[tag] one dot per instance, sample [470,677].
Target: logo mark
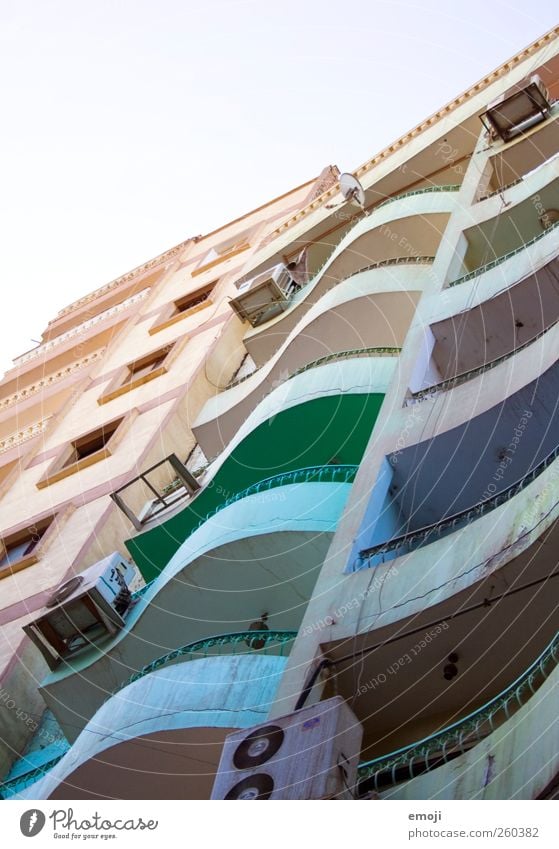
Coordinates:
[32,822]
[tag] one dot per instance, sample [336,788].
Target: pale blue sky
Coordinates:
[129,125]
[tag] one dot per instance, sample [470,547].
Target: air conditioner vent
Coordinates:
[258,786]
[64,591]
[258,747]
[309,754]
[83,610]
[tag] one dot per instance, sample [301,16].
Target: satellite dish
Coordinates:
[352,192]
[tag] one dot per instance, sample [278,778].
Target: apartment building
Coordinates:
[369,496]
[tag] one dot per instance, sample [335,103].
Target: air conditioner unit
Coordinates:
[518,109]
[264,296]
[310,754]
[83,610]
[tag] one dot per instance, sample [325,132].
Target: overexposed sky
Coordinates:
[129,125]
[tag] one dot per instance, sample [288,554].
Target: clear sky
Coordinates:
[129,125]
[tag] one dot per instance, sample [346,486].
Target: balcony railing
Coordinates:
[265,642]
[385,351]
[455,187]
[414,192]
[353,353]
[239,642]
[498,260]
[20,782]
[430,533]
[437,749]
[310,474]
[464,376]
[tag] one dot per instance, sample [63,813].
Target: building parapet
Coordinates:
[81,328]
[24,435]
[55,377]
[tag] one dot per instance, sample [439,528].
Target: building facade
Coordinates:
[362,395]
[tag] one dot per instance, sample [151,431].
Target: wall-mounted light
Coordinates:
[258,625]
[450,670]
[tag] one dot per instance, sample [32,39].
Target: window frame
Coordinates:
[225,250]
[170,314]
[120,384]
[60,468]
[52,523]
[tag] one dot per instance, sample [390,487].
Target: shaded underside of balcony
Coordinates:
[499,326]
[523,156]
[409,239]
[475,462]
[161,737]
[496,629]
[510,230]
[328,430]
[519,760]
[260,554]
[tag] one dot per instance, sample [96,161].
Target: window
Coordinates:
[183,307]
[195,299]
[21,549]
[86,450]
[90,444]
[147,365]
[223,251]
[137,373]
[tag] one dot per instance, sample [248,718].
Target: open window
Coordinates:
[22,548]
[223,251]
[90,448]
[138,372]
[184,306]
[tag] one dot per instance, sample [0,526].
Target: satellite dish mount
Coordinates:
[352,192]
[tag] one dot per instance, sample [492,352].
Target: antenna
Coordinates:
[352,191]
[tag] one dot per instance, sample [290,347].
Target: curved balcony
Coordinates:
[371,310]
[518,189]
[505,255]
[455,740]
[324,415]
[485,394]
[517,161]
[408,542]
[260,553]
[479,339]
[161,737]
[459,473]
[403,230]
[444,632]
